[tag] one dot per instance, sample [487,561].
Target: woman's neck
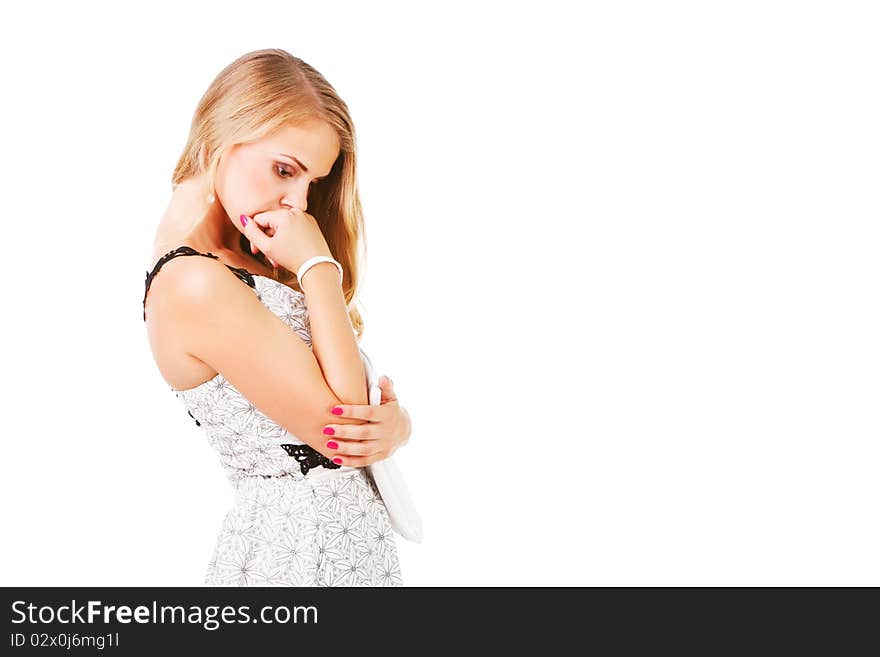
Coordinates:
[190,218]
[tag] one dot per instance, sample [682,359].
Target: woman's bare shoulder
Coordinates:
[188,279]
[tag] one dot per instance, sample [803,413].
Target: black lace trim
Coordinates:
[241,272]
[309,457]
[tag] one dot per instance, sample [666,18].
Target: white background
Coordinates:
[622,267]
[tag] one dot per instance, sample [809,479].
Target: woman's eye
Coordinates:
[281,170]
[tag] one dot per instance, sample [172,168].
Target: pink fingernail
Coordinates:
[331,444]
[337,460]
[336,410]
[329,431]
[243,219]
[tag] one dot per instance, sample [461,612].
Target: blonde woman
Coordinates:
[249,312]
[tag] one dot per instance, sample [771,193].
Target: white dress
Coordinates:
[298,519]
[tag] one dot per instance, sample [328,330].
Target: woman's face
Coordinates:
[264,175]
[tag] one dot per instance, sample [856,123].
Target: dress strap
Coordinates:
[242,273]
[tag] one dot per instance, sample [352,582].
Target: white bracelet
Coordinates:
[314,261]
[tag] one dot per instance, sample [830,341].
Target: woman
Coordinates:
[256,333]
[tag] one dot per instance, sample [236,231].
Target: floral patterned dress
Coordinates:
[298,519]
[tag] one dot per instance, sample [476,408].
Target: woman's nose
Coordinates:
[295,203]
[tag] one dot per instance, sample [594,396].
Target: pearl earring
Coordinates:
[210,198]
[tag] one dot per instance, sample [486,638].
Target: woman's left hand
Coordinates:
[388,427]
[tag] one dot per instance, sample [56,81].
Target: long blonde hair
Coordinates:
[257,94]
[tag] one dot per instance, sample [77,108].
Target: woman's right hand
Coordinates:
[286,237]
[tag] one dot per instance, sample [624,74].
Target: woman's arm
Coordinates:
[333,339]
